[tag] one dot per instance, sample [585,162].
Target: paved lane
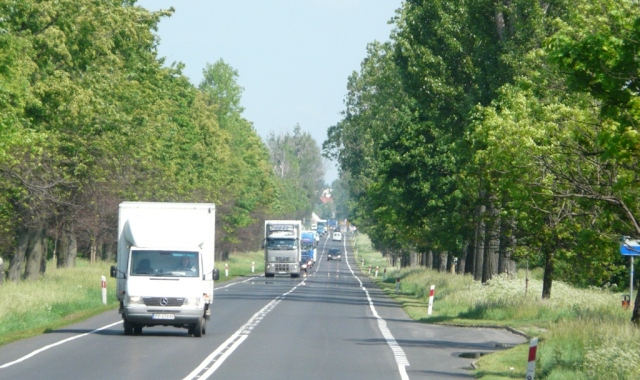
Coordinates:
[332,324]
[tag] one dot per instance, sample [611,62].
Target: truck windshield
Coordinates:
[165,263]
[281,244]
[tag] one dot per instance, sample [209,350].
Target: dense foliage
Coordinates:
[90,116]
[489,133]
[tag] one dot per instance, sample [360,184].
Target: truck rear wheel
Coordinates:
[269,274]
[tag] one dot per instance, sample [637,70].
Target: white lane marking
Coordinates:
[239,282]
[212,362]
[34,353]
[56,344]
[398,352]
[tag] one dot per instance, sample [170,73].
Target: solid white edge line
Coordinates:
[398,353]
[32,354]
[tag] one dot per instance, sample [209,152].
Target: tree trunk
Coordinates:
[35,251]
[478,254]
[109,252]
[635,315]
[507,246]
[15,266]
[443,262]
[492,243]
[462,262]
[1,271]
[45,253]
[68,249]
[429,263]
[547,280]
[414,258]
[469,263]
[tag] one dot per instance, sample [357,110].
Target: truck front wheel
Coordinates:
[128,327]
[199,328]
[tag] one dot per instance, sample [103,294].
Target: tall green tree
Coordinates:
[297,164]
[249,186]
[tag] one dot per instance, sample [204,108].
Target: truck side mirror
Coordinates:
[216,274]
[114,271]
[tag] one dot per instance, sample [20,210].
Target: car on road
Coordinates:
[337,236]
[334,254]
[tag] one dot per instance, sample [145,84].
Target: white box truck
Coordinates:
[165,265]
[282,247]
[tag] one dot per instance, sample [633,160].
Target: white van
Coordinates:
[337,236]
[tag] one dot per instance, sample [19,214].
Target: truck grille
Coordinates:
[163,301]
[283,267]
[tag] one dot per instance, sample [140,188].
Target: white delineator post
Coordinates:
[431,295]
[103,284]
[377,271]
[531,366]
[226,270]
[397,284]
[253,267]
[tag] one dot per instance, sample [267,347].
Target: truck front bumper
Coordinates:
[164,317]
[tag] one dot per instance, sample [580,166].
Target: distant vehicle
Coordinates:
[308,249]
[322,226]
[282,247]
[337,236]
[332,223]
[334,254]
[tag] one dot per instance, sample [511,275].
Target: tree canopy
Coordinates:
[91,116]
[489,133]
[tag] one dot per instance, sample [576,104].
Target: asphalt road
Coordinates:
[332,324]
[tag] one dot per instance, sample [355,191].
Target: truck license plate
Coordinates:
[163,316]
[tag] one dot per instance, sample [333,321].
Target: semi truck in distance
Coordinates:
[308,249]
[165,265]
[282,247]
[322,226]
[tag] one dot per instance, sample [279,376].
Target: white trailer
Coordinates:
[165,265]
[282,247]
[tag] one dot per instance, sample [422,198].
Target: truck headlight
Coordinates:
[192,301]
[135,300]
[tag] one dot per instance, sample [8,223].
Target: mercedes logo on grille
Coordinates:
[164,301]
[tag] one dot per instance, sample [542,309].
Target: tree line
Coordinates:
[486,134]
[90,116]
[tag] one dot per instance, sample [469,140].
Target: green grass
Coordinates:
[584,333]
[60,297]
[240,264]
[67,295]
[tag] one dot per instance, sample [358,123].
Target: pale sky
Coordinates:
[293,57]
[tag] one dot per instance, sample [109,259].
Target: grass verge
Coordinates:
[65,296]
[584,333]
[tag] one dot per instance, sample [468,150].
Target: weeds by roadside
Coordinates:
[584,333]
[67,295]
